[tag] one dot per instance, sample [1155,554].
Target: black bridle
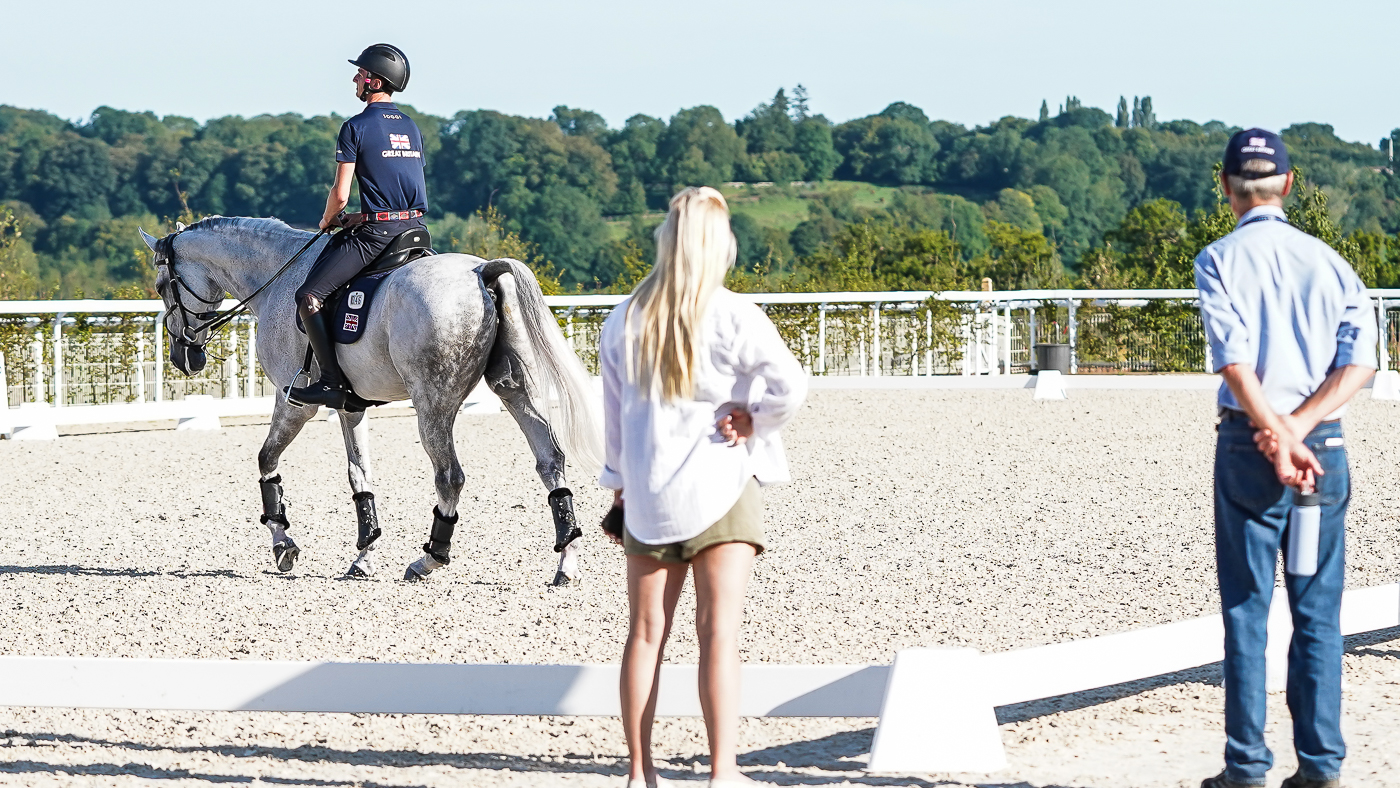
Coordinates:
[165,258]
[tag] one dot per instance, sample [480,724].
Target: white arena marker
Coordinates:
[33,422]
[1049,385]
[199,414]
[432,688]
[1386,385]
[482,400]
[937,716]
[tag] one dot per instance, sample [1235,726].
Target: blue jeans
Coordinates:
[1251,519]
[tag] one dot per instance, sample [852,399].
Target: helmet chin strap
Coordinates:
[365,93]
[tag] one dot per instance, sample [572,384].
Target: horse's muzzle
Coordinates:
[188,359]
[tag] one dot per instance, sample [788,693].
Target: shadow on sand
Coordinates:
[97,571]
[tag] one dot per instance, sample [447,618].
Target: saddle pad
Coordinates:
[352,313]
[349,307]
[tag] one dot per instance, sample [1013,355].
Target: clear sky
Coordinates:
[1266,64]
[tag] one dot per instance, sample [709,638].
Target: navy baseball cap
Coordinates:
[1255,144]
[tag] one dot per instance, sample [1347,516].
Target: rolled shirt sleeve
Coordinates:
[1229,337]
[761,352]
[611,476]
[1357,335]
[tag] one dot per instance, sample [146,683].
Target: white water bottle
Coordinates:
[1304,532]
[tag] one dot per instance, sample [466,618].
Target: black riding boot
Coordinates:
[331,390]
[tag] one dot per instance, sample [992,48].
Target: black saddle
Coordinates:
[404,249]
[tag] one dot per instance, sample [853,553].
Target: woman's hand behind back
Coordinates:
[737,427]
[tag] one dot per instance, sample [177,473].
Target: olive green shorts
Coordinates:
[743,523]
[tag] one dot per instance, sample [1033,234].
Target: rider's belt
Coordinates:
[393,216]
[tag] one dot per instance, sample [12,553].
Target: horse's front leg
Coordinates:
[355,427]
[287,422]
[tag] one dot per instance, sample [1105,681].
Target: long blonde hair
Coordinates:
[694,250]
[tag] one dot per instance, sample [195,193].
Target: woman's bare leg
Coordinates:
[721,576]
[653,587]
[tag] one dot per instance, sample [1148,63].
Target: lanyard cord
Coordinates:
[1264,217]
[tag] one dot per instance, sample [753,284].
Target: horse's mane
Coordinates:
[269,227]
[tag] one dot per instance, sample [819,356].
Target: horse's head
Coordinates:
[184,308]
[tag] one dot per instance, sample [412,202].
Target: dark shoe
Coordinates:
[1299,781]
[1223,780]
[319,393]
[331,390]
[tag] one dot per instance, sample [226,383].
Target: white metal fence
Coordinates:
[105,352]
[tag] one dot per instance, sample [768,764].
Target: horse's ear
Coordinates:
[179,227]
[150,240]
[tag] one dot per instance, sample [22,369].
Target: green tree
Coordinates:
[894,147]
[580,123]
[18,265]
[699,149]
[814,145]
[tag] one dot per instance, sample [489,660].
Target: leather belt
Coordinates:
[393,216]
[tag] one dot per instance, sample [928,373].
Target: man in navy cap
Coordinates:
[1294,336]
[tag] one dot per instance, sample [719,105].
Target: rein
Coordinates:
[166,257]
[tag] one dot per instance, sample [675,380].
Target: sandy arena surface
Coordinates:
[917,518]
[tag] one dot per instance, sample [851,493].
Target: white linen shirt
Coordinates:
[678,476]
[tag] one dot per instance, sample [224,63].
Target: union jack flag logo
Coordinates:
[398,141]
[352,323]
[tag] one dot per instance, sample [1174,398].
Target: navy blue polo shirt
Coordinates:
[387,150]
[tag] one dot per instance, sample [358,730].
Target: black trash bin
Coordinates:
[1052,356]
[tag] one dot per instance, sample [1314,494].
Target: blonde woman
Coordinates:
[696,384]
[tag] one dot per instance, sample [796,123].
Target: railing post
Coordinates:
[928,354]
[231,363]
[1073,338]
[39,392]
[875,355]
[4,384]
[250,389]
[821,339]
[1382,329]
[569,329]
[860,358]
[58,360]
[1006,341]
[140,365]
[159,375]
[965,325]
[1030,345]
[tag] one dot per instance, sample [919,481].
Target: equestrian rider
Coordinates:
[383,149]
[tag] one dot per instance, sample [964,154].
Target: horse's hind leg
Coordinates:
[355,427]
[435,420]
[287,422]
[549,464]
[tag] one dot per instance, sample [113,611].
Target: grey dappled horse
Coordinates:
[435,328]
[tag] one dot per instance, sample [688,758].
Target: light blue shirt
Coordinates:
[1276,298]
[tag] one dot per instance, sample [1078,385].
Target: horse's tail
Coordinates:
[567,389]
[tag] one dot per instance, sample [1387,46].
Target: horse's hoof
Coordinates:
[561,579]
[417,570]
[285,553]
[359,569]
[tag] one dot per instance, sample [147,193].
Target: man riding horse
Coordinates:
[383,150]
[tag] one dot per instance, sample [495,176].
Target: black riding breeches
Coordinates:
[348,253]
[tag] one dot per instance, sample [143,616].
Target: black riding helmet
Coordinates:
[387,62]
